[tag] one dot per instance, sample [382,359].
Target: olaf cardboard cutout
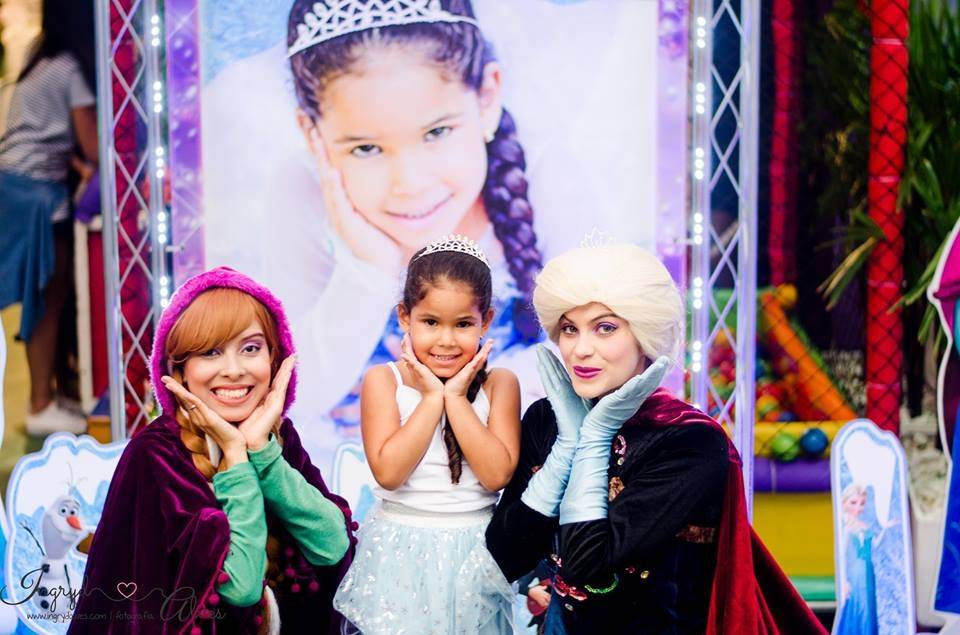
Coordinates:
[54,501]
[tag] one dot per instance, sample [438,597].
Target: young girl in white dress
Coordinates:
[441,435]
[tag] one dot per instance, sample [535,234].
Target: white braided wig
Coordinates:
[627,279]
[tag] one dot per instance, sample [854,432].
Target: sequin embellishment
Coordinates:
[616,486]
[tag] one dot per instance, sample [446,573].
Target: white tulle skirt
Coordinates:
[418,573]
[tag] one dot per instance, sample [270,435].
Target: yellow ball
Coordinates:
[766,403]
[787,295]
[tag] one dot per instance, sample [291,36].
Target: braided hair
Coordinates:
[461,50]
[214,317]
[426,271]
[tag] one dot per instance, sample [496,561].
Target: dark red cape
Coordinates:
[160,544]
[750,594]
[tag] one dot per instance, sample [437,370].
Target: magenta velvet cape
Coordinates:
[163,531]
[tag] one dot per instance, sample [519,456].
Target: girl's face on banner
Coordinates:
[409,143]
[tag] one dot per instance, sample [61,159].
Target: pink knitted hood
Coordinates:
[219,277]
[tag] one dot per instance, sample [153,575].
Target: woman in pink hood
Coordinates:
[216,520]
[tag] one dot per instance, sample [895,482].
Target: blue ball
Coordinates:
[814,441]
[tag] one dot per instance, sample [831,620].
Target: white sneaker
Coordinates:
[71,405]
[52,419]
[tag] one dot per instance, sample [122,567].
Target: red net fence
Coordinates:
[833,130]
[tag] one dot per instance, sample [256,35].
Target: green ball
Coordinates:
[785,446]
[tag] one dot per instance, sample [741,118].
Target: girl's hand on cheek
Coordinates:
[367,242]
[458,385]
[423,378]
[224,434]
[263,420]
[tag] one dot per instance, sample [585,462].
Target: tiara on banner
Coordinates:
[332,18]
[455,242]
[596,238]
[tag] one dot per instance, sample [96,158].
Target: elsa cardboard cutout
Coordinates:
[872,548]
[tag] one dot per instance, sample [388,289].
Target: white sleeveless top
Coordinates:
[428,488]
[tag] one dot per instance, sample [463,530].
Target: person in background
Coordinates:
[52,119]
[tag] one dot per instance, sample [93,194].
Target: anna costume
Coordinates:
[157,559]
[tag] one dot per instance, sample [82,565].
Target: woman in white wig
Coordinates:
[624,489]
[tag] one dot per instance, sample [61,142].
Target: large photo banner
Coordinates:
[319,167]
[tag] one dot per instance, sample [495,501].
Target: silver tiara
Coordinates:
[455,242]
[332,18]
[596,238]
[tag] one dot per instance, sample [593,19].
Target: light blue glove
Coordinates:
[545,488]
[586,495]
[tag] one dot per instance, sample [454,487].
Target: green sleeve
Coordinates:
[315,522]
[238,491]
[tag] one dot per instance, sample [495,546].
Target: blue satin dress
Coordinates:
[858,616]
